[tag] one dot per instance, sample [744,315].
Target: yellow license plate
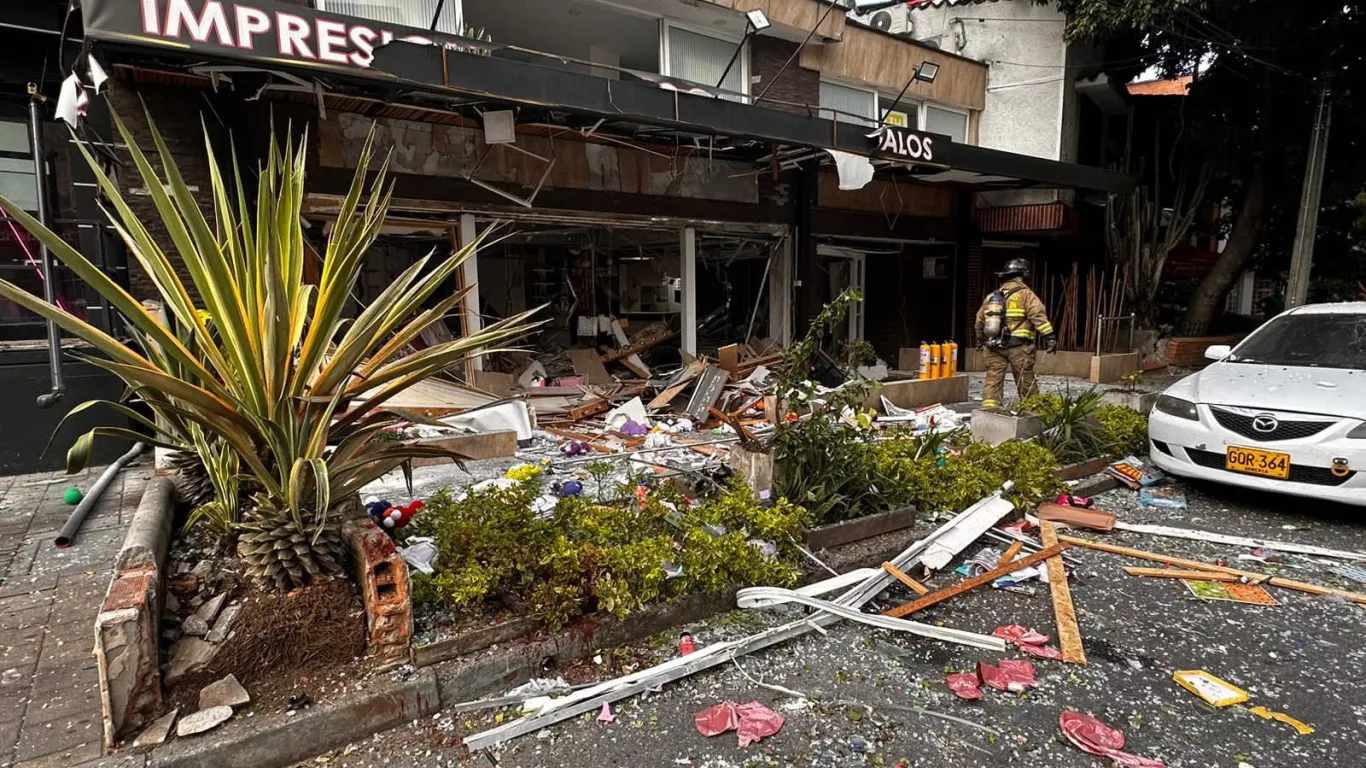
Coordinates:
[1251,461]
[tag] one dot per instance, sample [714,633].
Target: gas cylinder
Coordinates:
[953,358]
[945,352]
[936,359]
[993,325]
[925,360]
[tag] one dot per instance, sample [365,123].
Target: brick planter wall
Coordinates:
[385,590]
[1190,351]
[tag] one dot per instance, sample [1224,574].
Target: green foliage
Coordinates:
[589,556]
[1070,430]
[1125,431]
[935,482]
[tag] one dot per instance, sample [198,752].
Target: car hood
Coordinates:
[1327,391]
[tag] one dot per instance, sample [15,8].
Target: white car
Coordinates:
[1283,411]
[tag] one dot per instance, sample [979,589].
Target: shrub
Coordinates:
[952,484]
[1125,431]
[589,556]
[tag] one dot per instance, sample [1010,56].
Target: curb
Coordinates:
[149,533]
[1094,487]
[288,740]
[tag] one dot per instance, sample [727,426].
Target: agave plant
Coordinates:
[255,358]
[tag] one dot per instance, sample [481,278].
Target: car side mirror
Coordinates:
[1218,352]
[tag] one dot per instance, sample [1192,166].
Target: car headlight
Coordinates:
[1175,406]
[1359,432]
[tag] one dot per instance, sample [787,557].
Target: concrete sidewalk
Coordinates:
[49,686]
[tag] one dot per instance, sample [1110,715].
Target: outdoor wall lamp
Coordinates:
[755,22]
[926,73]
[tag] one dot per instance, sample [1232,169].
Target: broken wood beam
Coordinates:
[917,587]
[728,357]
[1012,552]
[1064,613]
[935,598]
[1138,554]
[638,347]
[1179,573]
[1078,517]
[1315,589]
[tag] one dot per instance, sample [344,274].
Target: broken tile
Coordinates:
[209,610]
[223,626]
[223,693]
[202,721]
[156,733]
[188,655]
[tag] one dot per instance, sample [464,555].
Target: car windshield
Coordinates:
[1310,340]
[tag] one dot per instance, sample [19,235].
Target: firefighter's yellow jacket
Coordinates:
[1025,314]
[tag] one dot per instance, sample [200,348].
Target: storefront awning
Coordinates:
[277,36]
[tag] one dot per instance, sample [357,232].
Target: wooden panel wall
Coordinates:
[887,62]
[798,14]
[883,196]
[429,149]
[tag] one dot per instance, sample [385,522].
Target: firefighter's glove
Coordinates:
[1050,343]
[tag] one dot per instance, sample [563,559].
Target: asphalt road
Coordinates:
[1304,657]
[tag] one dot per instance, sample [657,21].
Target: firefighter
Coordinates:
[1007,325]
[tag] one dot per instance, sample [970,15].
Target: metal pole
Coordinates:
[1302,255]
[73,523]
[1100,331]
[735,56]
[914,75]
[54,334]
[1133,322]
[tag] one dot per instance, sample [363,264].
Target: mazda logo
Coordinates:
[1265,424]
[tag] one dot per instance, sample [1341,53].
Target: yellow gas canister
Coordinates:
[936,359]
[945,355]
[953,358]
[925,360]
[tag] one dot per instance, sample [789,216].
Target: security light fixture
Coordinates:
[758,20]
[926,73]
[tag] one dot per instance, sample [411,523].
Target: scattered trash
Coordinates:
[1076,516]
[1215,692]
[1162,497]
[420,553]
[1355,574]
[1013,675]
[1081,502]
[1096,738]
[1302,728]
[965,685]
[72,496]
[605,715]
[686,645]
[753,721]
[299,701]
[1251,594]
[1017,635]
[1134,473]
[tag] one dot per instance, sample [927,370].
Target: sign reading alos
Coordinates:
[905,144]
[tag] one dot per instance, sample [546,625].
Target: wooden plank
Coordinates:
[1179,573]
[679,382]
[728,358]
[583,411]
[482,445]
[588,365]
[1064,613]
[708,391]
[935,598]
[637,347]
[1254,578]
[1011,552]
[1315,589]
[917,587]
[497,383]
[632,361]
[1076,516]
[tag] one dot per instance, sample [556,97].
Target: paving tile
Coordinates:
[28,617]
[62,652]
[30,600]
[63,705]
[28,583]
[62,744]
[14,701]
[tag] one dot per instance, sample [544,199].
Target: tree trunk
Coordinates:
[1242,241]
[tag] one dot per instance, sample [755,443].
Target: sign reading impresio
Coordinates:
[255,29]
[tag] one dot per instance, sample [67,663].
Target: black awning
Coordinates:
[279,37]
[432,69]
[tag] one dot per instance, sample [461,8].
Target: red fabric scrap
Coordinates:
[754,721]
[1040,651]
[1096,738]
[1012,675]
[1028,641]
[965,685]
